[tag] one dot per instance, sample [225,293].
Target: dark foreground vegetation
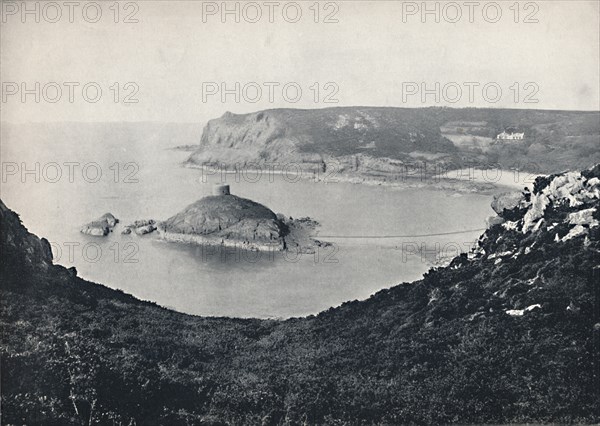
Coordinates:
[439,350]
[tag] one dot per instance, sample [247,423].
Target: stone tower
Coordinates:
[221,190]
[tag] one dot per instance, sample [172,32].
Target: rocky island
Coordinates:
[101,226]
[228,220]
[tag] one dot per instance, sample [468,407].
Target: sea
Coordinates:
[60,176]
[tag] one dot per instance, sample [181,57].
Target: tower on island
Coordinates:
[221,190]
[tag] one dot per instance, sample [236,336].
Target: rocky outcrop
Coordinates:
[216,213]
[101,226]
[231,221]
[225,220]
[561,208]
[506,201]
[313,137]
[300,235]
[493,220]
[557,202]
[146,229]
[32,251]
[140,227]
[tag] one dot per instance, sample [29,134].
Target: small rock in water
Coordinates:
[101,226]
[143,230]
[140,227]
[142,222]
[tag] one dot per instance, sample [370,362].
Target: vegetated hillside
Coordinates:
[555,140]
[508,333]
[312,134]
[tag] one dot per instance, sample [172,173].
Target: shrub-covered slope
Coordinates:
[508,333]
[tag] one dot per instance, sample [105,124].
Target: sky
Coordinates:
[187,61]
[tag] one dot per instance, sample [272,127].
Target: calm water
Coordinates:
[203,281]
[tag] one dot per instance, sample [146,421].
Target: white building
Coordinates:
[511,136]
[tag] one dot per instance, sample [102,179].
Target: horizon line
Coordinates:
[298,109]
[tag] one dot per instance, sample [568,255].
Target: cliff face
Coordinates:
[364,139]
[19,248]
[312,136]
[506,334]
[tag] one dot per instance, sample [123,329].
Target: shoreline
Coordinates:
[470,180]
[217,242]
